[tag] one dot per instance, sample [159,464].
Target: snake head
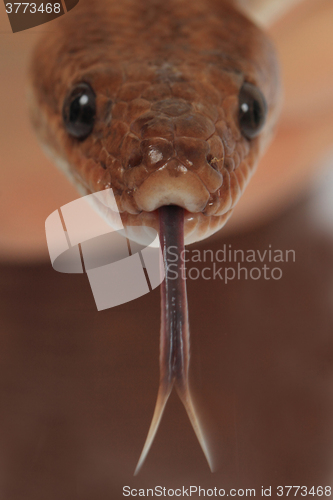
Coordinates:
[170,106]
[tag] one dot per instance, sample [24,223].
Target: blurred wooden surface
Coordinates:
[78,386]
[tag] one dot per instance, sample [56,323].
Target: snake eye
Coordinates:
[252,110]
[79,111]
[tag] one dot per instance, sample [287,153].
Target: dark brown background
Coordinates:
[78,386]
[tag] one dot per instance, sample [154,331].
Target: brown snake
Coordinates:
[167,103]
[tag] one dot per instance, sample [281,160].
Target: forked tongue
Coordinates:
[174,334]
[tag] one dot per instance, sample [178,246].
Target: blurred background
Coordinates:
[78,387]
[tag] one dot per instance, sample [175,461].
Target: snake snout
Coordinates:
[172,184]
[178,173]
[174,157]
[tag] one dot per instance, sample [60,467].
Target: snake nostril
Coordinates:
[210,160]
[135,160]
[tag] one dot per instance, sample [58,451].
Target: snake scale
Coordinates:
[170,104]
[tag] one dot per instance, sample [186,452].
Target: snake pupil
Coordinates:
[252,110]
[79,111]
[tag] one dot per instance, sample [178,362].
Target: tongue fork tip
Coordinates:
[186,399]
[164,392]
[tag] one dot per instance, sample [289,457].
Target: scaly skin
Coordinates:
[167,77]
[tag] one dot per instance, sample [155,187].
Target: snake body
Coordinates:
[166,80]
